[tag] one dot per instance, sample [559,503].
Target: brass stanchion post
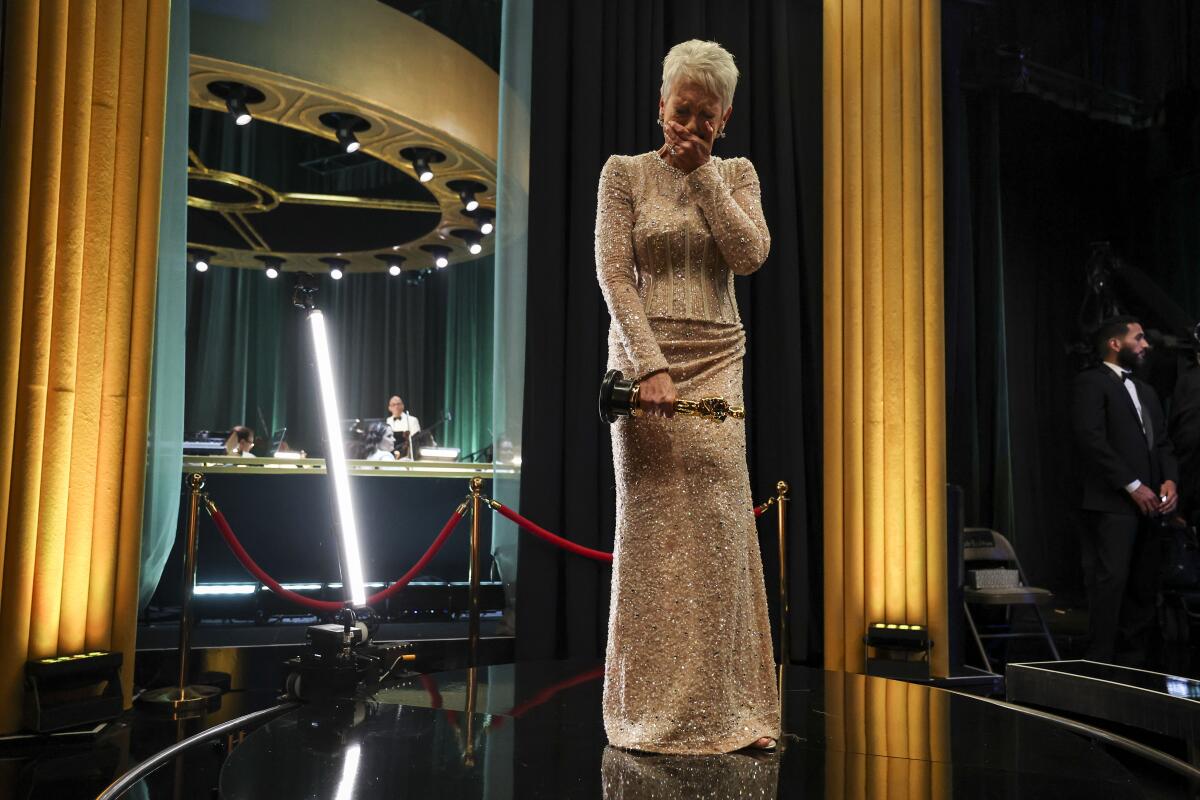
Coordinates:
[473,577]
[781,502]
[781,516]
[185,698]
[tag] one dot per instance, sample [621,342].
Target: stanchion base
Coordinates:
[189,700]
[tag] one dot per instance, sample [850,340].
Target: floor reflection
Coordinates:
[647,776]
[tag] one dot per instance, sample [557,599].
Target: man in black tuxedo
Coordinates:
[1129,485]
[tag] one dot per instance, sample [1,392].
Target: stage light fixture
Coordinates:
[337,266]
[345,790]
[237,109]
[468,192]
[271,265]
[471,238]
[345,127]
[440,253]
[424,173]
[348,140]
[422,158]
[200,258]
[393,262]
[487,221]
[237,97]
[335,461]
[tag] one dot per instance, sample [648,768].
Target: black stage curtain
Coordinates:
[1030,185]
[596,74]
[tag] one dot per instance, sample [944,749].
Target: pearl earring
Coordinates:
[721,133]
[660,120]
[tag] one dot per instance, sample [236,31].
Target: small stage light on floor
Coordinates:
[73,690]
[901,650]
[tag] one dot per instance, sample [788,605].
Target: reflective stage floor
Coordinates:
[534,731]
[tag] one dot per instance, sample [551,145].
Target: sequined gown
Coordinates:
[689,666]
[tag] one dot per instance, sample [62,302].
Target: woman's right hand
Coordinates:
[656,395]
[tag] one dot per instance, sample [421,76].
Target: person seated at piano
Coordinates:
[240,441]
[379,443]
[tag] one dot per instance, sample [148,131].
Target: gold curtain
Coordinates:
[885,739]
[884,426]
[81,140]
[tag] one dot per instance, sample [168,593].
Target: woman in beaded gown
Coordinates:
[689,667]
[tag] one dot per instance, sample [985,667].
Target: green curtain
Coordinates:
[468,389]
[237,324]
[164,434]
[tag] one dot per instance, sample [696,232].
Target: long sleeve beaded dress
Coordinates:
[689,666]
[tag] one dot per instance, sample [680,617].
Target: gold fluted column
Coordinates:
[81,140]
[884,426]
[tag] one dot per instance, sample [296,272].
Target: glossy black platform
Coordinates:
[536,732]
[1108,693]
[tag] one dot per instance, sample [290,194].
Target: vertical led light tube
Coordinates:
[335,462]
[349,779]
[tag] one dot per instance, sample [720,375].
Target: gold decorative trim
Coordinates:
[444,98]
[268,198]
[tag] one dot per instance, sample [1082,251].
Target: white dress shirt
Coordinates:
[406,422]
[381,455]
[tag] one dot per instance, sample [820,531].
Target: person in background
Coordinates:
[1129,485]
[240,441]
[379,443]
[403,424]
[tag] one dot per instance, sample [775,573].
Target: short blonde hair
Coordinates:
[704,63]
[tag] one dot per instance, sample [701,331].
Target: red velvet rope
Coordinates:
[542,533]
[327,605]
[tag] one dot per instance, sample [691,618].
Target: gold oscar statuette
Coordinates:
[619,398]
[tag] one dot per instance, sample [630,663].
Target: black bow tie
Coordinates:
[1126,376]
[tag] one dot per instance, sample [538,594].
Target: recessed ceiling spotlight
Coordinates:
[337,267]
[237,97]
[422,158]
[393,262]
[271,265]
[200,258]
[467,193]
[345,126]
[440,253]
[471,237]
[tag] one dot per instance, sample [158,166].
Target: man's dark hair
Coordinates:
[244,434]
[1111,328]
